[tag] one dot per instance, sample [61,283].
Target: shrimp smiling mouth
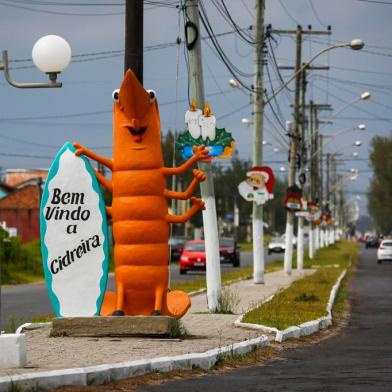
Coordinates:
[137,134]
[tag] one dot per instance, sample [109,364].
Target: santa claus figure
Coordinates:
[258,186]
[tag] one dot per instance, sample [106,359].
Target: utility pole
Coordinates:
[133,58]
[312,177]
[257,216]
[321,187]
[327,198]
[314,123]
[295,137]
[302,175]
[213,272]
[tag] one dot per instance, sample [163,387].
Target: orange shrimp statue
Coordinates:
[139,207]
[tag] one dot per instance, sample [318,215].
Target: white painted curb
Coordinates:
[110,372]
[305,329]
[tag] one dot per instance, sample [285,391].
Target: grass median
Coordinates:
[306,299]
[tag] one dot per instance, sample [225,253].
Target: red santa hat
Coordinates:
[267,173]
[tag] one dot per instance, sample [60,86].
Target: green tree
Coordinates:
[380,190]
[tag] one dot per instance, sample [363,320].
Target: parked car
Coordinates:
[176,244]
[384,252]
[229,251]
[276,245]
[193,257]
[371,241]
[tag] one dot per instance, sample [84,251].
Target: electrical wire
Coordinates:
[286,11]
[316,14]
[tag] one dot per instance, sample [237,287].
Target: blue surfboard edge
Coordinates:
[44,251]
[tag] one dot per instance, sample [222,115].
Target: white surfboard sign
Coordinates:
[74,240]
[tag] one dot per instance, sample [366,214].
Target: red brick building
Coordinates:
[15,177]
[20,209]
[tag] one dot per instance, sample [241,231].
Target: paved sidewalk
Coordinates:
[209,331]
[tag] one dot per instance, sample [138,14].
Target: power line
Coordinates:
[315,13]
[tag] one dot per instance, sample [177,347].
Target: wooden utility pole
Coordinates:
[210,223]
[257,216]
[288,255]
[133,58]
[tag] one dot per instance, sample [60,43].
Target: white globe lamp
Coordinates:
[51,55]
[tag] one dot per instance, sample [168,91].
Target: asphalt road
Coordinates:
[25,301]
[358,359]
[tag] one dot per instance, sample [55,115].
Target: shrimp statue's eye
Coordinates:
[153,95]
[115,94]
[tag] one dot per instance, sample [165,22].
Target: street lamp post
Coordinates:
[51,55]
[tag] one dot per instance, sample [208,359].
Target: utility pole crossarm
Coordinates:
[307,32]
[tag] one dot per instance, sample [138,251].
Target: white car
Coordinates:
[276,245]
[384,252]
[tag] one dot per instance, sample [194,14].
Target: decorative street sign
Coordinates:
[74,240]
[201,130]
[293,200]
[259,185]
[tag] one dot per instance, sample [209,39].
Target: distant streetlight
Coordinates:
[233,83]
[51,55]
[246,121]
[282,169]
[363,97]
[355,44]
[358,143]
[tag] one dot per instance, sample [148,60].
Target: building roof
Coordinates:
[16,176]
[27,197]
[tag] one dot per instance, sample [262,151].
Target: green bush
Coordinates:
[20,263]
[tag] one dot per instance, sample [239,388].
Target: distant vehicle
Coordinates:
[384,252]
[371,241]
[193,257]
[176,244]
[276,245]
[229,251]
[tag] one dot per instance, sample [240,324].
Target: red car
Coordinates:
[193,257]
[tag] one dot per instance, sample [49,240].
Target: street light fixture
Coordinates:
[51,55]
[356,44]
[247,122]
[233,83]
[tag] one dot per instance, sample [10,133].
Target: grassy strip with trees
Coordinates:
[306,299]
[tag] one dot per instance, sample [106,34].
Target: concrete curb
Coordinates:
[95,375]
[305,329]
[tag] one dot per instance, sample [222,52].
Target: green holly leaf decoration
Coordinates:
[222,138]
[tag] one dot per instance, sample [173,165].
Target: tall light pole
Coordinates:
[51,55]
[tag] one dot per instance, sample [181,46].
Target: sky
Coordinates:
[34,124]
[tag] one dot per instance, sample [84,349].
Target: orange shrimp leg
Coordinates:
[108,210]
[119,300]
[199,153]
[199,176]
[159,291]
[198,205]
[99,158]
[104,181]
